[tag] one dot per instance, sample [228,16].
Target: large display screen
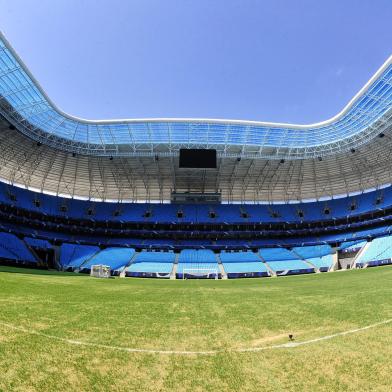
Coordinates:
[194,158]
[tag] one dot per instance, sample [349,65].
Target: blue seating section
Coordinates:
[277,254]
[238,264]
[305,249]
[73,256]
[352,246]
[289,266]
[11,247]
[163,243]
[323,263]
[37,243]
[306,252]
[379,252]
[135,212]
[203,259]
[320,256]
[115,258]
[152,262]
[284,261]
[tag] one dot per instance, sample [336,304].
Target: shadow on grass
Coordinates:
[36,271]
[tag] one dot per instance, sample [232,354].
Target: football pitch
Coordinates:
[70,332]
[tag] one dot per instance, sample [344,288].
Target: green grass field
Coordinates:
[220,316]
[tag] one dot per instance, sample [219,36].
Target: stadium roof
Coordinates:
[137,159]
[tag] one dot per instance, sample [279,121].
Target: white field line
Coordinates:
[287,345]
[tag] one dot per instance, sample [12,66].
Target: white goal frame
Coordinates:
[100,271]
[200,272]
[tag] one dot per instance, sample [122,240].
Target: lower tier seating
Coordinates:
[151,264]
[379,252]
[323,263]
[197,263]
[320,256]
[73,256]
[242,264]
[285,262]
[115,258]
[352,246]
[200,263]
[12,248]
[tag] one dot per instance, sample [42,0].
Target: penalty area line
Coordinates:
[287,345]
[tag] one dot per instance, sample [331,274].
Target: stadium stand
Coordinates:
[115,258]
[73,256]
[152,264]
[167,213]
[242,264]
[12,248]
[379,252]
[284,262]
[352,246]
[37,243]
[320,256]
[197,263]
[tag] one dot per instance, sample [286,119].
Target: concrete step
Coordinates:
[175,267]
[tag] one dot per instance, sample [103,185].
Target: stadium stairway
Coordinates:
[220,266]
[122,270]
[359,255]
[40,263]
[335,260]
[270,270]
[175,266]
[57,254]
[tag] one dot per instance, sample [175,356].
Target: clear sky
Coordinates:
[295,61]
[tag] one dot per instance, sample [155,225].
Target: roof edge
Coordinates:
[199,120]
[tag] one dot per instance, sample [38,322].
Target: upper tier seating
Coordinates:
[115,258]
[242,262]
[378,252]
[136,212]
[11,247]
[159,262]
[73,256]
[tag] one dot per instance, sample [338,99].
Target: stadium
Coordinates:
[199,223]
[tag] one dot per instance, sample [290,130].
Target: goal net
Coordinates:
[210,273]
[100,271]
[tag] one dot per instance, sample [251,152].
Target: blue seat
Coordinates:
[284,261]
[115,258]
[73,255]
[11,247]
[378,251]
[241,262]
[154,262]
[202,260]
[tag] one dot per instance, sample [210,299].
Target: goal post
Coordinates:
[100,271]
[200,272]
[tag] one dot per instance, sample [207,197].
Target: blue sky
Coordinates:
[283,61]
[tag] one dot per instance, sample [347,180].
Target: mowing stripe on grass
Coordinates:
[179,352]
